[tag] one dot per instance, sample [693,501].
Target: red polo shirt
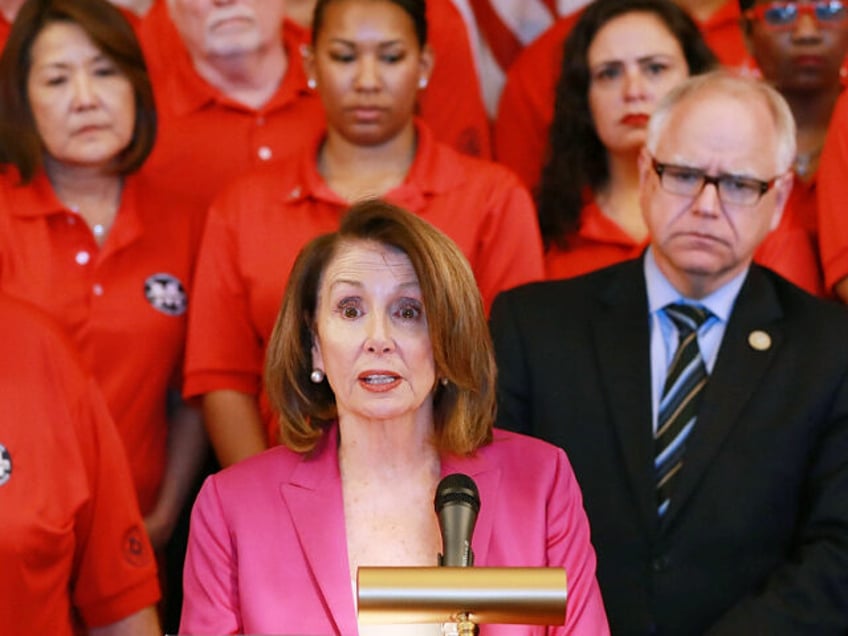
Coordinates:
[72,542]
[833,196]
[123,304]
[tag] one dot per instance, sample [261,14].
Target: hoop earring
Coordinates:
[317,376]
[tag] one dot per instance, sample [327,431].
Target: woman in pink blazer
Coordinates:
[381,368]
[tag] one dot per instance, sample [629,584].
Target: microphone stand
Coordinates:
[465,626]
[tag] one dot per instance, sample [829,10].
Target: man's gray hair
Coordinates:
[737,86]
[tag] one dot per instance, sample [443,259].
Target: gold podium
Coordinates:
[468,596]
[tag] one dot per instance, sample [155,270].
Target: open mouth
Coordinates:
[378,379]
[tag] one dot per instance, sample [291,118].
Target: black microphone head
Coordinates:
[457,488]
[457,503]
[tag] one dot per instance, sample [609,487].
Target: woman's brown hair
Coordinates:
[463,402]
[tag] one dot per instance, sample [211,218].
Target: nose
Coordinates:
[806,28]
[707,202]
[379,339]
[367,76]
[634,84]
[84,94]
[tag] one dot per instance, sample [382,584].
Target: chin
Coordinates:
[235,44]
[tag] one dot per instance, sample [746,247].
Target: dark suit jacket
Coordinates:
[756,538]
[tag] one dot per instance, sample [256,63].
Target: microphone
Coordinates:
[457,503]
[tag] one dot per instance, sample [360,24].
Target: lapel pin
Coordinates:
[759,340]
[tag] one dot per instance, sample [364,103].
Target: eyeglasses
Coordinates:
[783,15]
[690,182]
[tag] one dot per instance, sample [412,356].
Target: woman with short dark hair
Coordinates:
[89,240]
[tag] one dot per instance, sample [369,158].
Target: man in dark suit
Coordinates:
[710,438]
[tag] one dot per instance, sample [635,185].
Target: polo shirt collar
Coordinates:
[188,92]
[432,172]
[38,199]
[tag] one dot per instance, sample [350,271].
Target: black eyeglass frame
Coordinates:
[706,179]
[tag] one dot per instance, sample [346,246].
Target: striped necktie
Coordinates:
[681,397]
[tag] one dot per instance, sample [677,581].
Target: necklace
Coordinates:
[97,229]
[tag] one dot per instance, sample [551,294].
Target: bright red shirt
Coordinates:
[526,108]
[206,139]
[5,27]
[257,227]
[72,542]
[123,304]
[790,249]
[833,196]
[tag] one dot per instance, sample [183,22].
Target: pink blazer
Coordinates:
[267,550]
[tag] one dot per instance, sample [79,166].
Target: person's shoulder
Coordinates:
[26,326]
[464,168]
[516,453]
[260,473]
[510,443]
[584,287]
[273,183]
[798,304]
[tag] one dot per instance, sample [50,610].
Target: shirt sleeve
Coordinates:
[210,588]
[116,570]
[833,197]
[510,249]
[223,350]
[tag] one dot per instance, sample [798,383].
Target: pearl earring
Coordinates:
[311,83]
[444,381]
[317,376]
[422,83]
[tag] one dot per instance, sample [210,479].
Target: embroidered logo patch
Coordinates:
[133,544]
[5,465]
[166,293]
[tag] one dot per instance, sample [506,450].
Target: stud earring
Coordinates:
[444,381]
[311,83]
[317,376]
[422,83]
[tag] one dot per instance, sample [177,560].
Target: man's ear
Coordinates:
[783,189]
[645,166]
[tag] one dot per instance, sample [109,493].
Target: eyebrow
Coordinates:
[355,283]
[100,57]
[640,60]
[354,43]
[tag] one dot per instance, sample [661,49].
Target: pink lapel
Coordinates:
[314,497]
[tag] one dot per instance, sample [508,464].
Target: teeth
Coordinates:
[379,379]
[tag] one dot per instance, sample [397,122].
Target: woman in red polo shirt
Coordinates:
[84,238]
[620,59]
[368,61]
